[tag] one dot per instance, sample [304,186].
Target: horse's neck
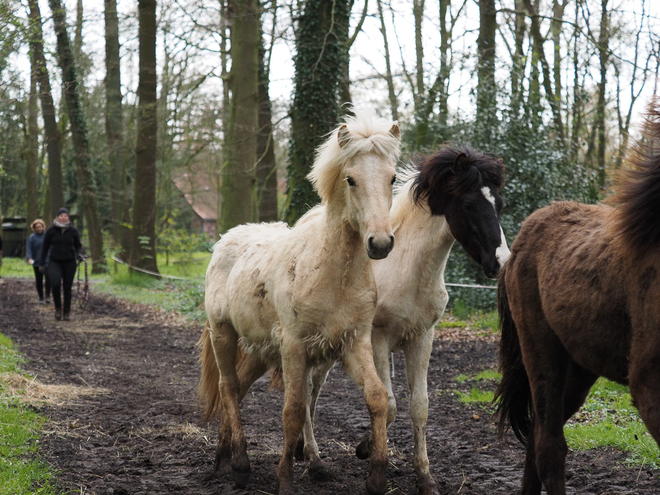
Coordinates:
[425,241]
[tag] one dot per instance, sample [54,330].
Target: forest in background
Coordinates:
[105,110]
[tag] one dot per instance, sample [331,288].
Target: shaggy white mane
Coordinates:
[369,134]
[402,203]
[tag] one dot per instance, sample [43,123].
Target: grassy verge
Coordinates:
[20,471]
[607,419]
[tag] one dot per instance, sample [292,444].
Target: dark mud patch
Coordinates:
[137,430]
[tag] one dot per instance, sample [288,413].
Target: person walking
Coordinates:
[34,244]
[63,240]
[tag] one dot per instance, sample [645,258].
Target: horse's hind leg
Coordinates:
[225,341]
[645,390]
[547,367]
[418,353]
[359,364]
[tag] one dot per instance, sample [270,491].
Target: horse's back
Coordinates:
[565,271]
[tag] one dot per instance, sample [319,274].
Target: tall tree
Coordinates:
[143,235]
[114,126]
[519,61]
[486,88]
[445,63]
[238,179]
[320,55]
[32,149]
[603,52]
[266,166]
[391,92]
[52,134]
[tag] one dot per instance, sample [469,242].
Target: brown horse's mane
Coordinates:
[637,195]
[454,170]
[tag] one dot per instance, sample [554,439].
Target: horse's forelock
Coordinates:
[441,175]
[367,135]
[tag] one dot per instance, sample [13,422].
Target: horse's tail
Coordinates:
[513,396]
[207,390]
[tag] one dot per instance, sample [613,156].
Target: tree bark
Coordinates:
[320,55]
[603,49]
[143,235]
[266,166]
[486,89]
[445,68]
[79,135]
[114,125]
[239,171]
[32,149]
[52,133]
[519,62]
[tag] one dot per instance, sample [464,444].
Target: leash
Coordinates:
[83,287]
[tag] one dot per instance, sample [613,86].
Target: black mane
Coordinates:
[453,171]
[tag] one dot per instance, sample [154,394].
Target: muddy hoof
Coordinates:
[376,485]
[428,489]
[317,471]
[241,477]
[363,450]
[299,453]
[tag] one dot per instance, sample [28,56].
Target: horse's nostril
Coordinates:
[371,243]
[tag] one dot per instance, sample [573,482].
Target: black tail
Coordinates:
[513,396]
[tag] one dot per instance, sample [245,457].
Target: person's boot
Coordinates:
[58,314]
[66,317]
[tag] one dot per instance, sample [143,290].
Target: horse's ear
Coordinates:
[460,163]
[395,131]
[343,136]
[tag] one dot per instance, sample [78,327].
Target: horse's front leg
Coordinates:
[381,351]
[225,340]
[417,353]
[296,373]
[359,364]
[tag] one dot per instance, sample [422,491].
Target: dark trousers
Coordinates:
[62,273]
[39,279]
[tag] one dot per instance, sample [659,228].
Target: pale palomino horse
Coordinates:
[302,297]
[454,195]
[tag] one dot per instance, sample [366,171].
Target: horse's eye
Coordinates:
[393,179]
[350,181]
[468,206]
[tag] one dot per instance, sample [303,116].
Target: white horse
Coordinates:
[453,196]
[304,297]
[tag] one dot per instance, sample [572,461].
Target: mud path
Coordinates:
[118,384]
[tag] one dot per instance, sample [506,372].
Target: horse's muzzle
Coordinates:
[377,249]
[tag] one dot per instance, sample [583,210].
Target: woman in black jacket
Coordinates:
[64,243]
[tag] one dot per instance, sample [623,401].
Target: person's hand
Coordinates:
[30,261]
[81,257]
[42,269]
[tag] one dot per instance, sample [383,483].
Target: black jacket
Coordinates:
[64,246]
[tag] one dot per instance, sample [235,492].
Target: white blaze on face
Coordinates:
[502,253]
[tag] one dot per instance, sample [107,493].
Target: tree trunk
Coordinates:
[114,121]
[321,53]
[32,150]
[603,49]
[79,134]
[52,133]
[486,89]
[391,92]
[143,238]
[445,68]
[519,61]
[266,166]
[239,171]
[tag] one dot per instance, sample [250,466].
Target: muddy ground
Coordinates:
[118,386]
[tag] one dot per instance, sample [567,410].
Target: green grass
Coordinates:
[21,472]
[16,267]
[609,419]
[479,394]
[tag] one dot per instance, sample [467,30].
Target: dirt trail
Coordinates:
[121,381]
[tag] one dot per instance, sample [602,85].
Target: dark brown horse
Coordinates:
[578,299]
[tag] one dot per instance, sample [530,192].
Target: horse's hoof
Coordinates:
[284,488]
[317,471]
[240,477]
[222,467]
[363,450]
[299,453]
[376,485]
[428,489]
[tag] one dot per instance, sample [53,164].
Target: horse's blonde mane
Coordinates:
[403,204]
[368,134]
